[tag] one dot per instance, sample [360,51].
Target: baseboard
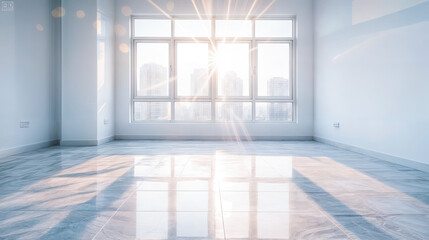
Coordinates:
[79,143]
[214,138]
[27,148]
[382,156]
[82,143]
[105,140]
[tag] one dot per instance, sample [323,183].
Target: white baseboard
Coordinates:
[27,148]
[105,140]
[214,138]
[382,156]
[77,143]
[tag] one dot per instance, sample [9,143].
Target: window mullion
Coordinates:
[213,77]
[254,85]
[172,73]
[133,77]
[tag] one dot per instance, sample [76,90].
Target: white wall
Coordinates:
[371,75]
[302,9]
[79,71]
[87,72]
[106,69]
[28,76]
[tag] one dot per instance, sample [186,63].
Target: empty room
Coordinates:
[214,119]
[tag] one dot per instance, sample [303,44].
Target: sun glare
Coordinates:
[214,67]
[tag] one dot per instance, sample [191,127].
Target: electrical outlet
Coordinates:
[24,124]
[7,6]
[336,125]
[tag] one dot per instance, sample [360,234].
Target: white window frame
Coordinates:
[213,97]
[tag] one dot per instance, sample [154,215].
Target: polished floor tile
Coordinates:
[209,190]
[52,224]
[247,225]
[163,225]
[386,227]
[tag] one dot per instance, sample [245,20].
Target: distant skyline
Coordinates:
[153,80]
[152,83]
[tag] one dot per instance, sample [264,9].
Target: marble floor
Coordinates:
[209,190]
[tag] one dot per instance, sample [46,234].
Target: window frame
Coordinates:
[213,42]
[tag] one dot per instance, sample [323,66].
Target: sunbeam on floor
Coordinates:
[209,190]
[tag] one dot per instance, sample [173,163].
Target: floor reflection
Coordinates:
[198,191]
[223,190]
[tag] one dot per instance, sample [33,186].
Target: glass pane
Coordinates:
[234,111]
[273,111]
[152,111]
[193,111]
[233,69]
[273,69]
[273,28]
[233,28]
[192,69]
[192,28]
[152,28]
[152,69]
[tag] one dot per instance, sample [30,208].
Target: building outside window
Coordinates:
[213,70]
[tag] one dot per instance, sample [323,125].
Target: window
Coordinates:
[233,28]
[192,69]
[152,73]
[233,60]
[215,70]
[192,28]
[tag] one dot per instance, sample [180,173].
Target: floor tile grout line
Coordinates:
[117,210]
[221,210]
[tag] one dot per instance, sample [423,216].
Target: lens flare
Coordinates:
[124,48]
[170,6]
[120,30]
[126,11]
[58,12]
[39,27]
[80,14]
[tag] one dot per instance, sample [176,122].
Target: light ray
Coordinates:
[251,9]
[205,84]
[196,9]
[266,9]
[234,129]
[245,131]
[228,9]
[247,16]
[161,84]
[207,5]
[239,122]
[235,125]
[159,8]
[201,18]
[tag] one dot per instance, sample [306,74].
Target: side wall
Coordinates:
[303,129]
[79,72]
[88,72]
[29,80]
[105,70]
[371,76]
